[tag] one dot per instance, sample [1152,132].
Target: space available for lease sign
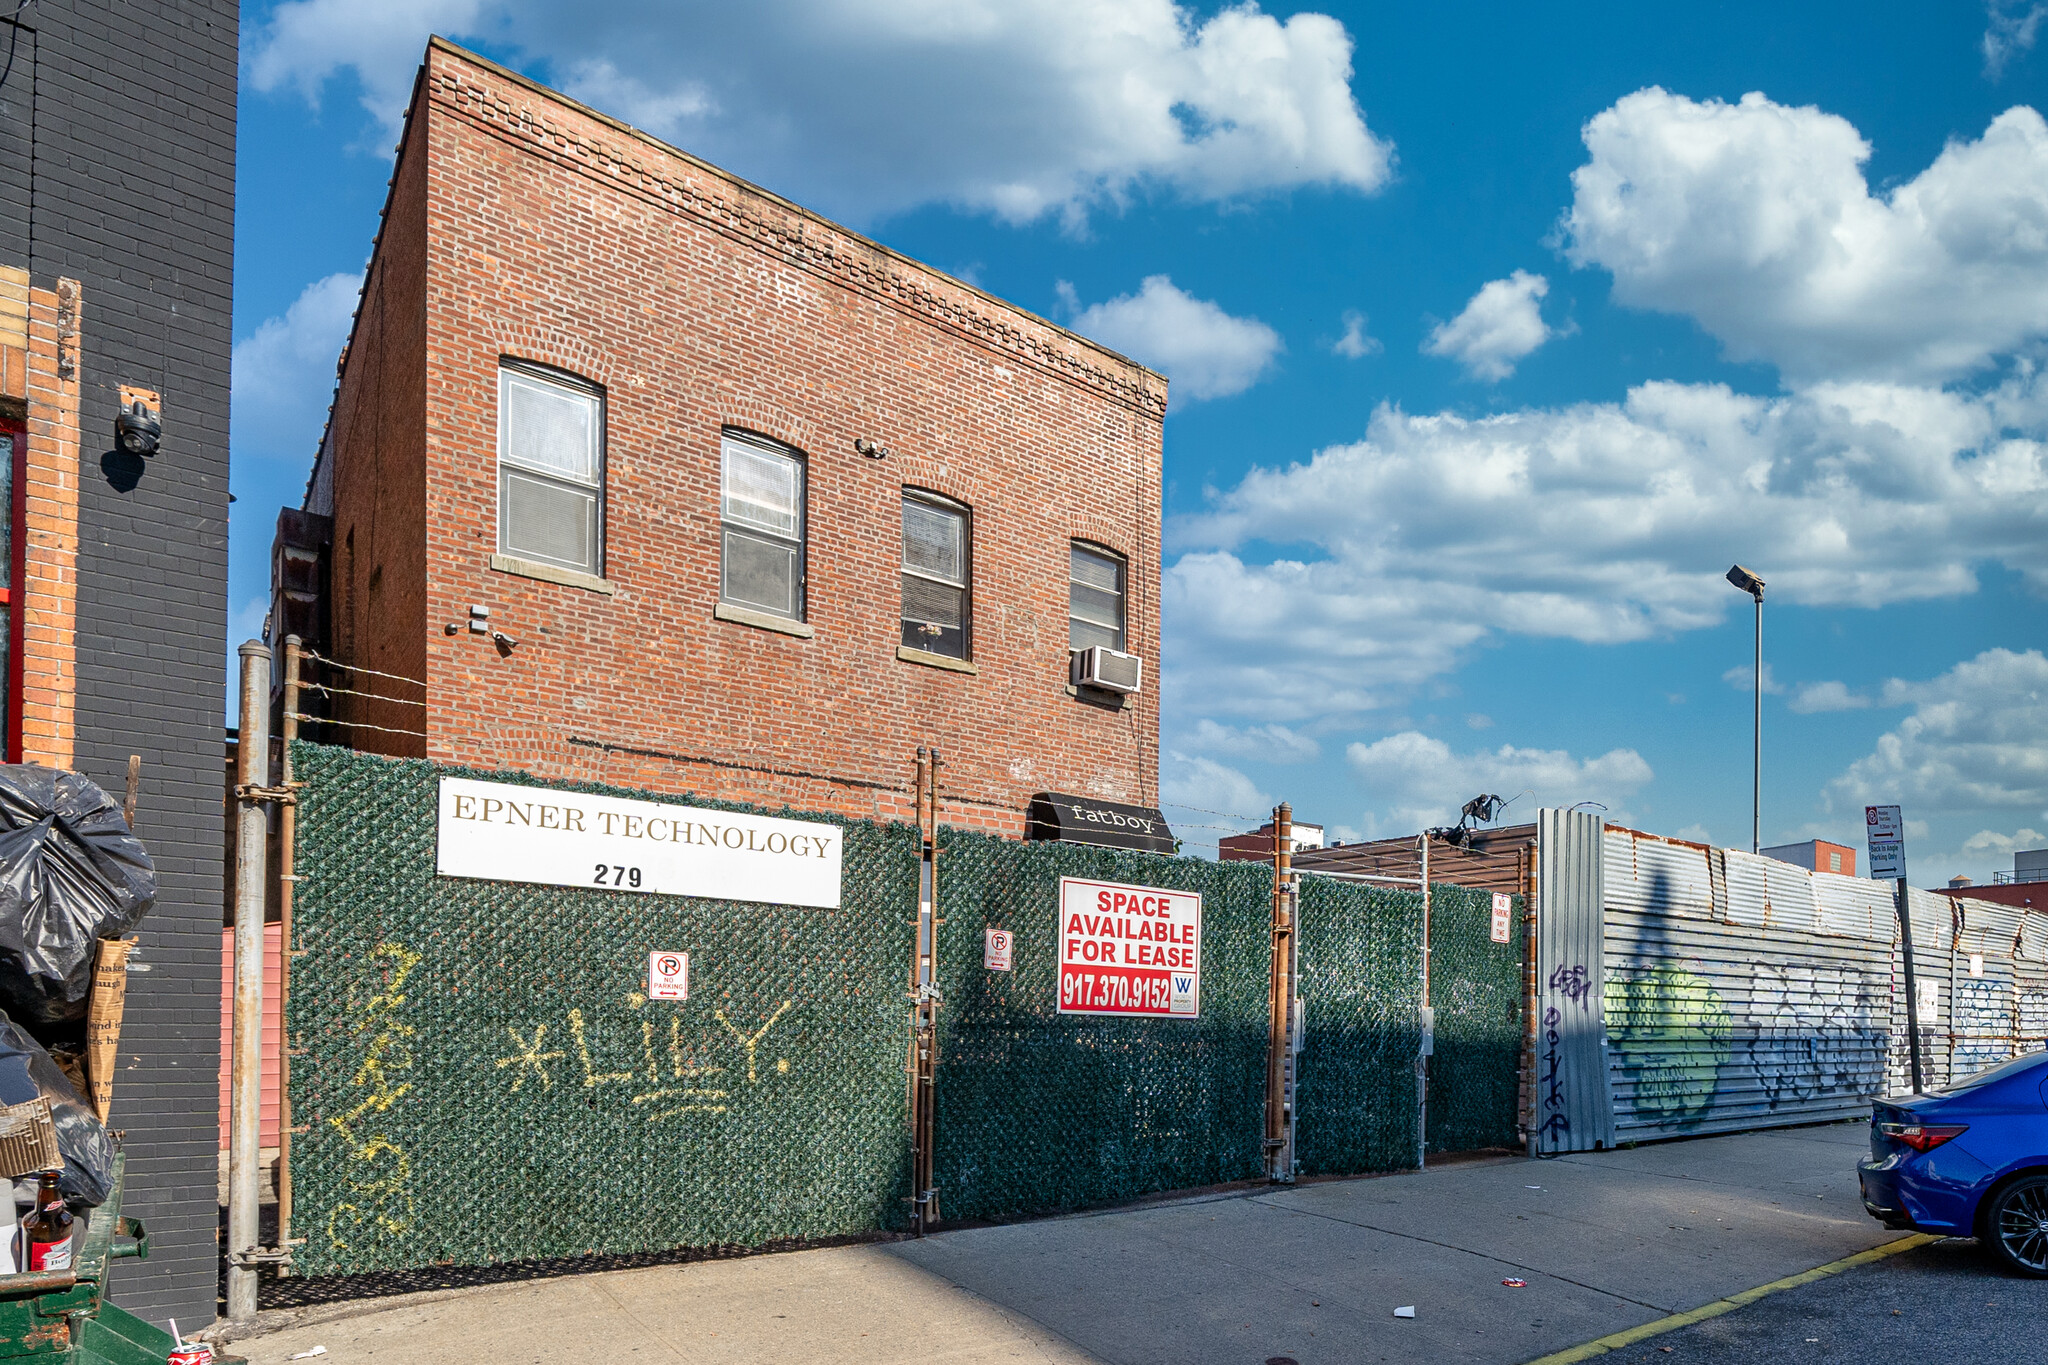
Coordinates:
[500,832]
[1129,950]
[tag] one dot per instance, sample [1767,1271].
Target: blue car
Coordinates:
[1968,1161]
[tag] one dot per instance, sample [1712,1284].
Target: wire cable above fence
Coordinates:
[305,653]
[355,692]
[356,724]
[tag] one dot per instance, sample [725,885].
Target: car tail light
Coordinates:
[1924,1137]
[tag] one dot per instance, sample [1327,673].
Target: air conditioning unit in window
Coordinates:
[1112,670]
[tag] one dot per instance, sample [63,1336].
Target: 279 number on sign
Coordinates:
[612,874]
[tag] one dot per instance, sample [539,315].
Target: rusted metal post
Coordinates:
[287,834]
[134,790]
[924,1009]
[245,1085]
[1427,1043]
[1280,1019]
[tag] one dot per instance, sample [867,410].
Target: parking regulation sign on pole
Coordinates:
[668,976]
[1887,841]
[1503,911]
[1129,950]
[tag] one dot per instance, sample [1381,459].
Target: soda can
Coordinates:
[191,1353]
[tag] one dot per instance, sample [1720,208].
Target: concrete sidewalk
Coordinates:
[1605,1241]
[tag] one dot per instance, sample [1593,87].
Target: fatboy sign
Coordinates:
[499,832]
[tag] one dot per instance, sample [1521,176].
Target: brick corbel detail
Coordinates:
[48,592]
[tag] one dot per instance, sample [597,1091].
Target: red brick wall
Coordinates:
[378,562]
[555,235]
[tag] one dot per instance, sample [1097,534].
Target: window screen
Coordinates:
[1095,597]
[761,501]
[550,471]
[936,608]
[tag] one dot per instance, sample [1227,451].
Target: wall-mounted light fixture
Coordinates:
[874,450]
[140,427]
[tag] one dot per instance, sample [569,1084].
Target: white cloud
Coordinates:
[1019,108]
[1813,698]
[1266,743]
[2009,31]
[1756,220]
[1416,780]
[1598,522]
[1500,326]
[1991,841]
[1205,351]
[283,372]
[1356,343]
[1479,722]
[1198,791]
[1743,679]
[1977,740]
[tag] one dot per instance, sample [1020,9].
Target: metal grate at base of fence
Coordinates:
[483,1080]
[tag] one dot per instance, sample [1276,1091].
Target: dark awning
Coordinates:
[1090,820]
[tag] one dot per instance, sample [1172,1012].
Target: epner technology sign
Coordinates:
[498,831]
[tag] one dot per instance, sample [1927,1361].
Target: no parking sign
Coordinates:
[668,976]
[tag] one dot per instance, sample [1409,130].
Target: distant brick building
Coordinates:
[1816,855]
[739,503]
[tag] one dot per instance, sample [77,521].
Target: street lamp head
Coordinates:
[1747,581]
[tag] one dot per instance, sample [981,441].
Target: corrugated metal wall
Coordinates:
[1740,992]
[1572,1110]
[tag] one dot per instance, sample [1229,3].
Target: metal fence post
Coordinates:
[924,1009]
[287,836]
[245,1091]
[1426,1044]
[1280,1020]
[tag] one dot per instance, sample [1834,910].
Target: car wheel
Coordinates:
[2016,1225]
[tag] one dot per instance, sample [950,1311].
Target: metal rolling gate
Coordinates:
[1736,994]
[469,1055]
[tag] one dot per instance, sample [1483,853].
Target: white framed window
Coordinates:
[550,468]
[1095,597]
[761,506]
[937,575]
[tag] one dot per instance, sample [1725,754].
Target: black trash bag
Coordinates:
[71,873]
[26,1071]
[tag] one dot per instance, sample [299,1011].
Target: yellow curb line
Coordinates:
[1615,1341]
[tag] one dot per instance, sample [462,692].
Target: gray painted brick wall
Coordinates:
[131,192]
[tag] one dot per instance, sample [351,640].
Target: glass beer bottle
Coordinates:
[47,1231]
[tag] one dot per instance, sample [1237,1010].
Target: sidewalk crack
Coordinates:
[1453,1246]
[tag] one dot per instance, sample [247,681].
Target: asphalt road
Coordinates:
[1945,1302]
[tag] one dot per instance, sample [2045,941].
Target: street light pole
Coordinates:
[1754,586]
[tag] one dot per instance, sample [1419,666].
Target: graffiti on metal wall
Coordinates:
[1669,1030]
[1814,1032]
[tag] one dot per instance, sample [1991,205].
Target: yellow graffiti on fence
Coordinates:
[385,1053]
[530,1056]
[751,1043]
[658,1100]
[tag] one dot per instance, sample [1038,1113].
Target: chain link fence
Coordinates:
[1041,1111]
[1478,991]
[480,1079]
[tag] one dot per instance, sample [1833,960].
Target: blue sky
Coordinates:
[1497,333]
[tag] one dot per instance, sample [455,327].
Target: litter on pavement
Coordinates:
[1407,1312]
[1516,1284]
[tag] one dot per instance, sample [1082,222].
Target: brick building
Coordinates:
[654,478]
[117,172]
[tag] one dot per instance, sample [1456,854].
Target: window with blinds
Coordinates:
[550,470]
[761,503]
[1095,598]
[937,596]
